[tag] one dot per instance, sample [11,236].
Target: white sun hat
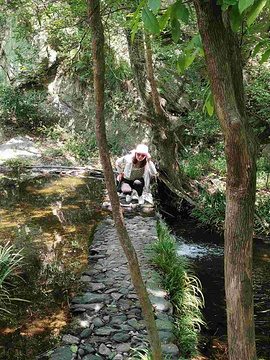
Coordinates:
[142,149]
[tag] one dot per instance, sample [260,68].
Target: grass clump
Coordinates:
[183,287]
[10,261]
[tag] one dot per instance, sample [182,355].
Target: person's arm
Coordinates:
[120,164]
[152,168]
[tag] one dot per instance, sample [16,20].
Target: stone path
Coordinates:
[108,322]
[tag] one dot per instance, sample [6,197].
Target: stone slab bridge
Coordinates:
[108,323]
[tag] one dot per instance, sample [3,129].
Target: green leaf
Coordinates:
[236,18]
[181,62]
[190,58]
[150,21]
[180,11]
[176,32]
[134,29]
[197,41]
[210,109]
[209,103]
[136,15]
[225,7]
[265,56]
[184,14]
[258,48]
[230,2]
[244,4]
[176,10]
[154,5]
[255,10]
[164,18]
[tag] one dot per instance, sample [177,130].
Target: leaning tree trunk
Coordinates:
[99,75]
[166,133]
[224,65]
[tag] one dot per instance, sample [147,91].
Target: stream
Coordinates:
[51,219]
[206,254]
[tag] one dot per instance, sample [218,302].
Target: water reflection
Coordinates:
[52,219]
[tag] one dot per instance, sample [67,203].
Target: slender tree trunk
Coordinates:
[166,134]
[224,65]
[150,76]
[99,74]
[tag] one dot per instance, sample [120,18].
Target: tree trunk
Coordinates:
[166,133]
[99,75]
[224,65]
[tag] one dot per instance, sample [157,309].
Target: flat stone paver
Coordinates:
[108,322]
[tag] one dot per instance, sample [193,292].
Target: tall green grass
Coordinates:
[9,265]
[183,287]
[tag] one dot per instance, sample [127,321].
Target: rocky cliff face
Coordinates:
[45,70]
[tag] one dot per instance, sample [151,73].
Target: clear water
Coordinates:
[206,254]
[52,219]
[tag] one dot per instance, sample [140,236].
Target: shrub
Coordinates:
[211,210]
[196,165]
[183,287]
[9,265]
[27,109]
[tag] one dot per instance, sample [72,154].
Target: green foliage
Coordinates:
[27,109]
[146,354]
[255,10]
[189,53]
[10,261]
[196,165]
[150,21]
[17,165]
[183,287]
[212,209]
[258,96]
[262,217]
[143,354]
[204,163]
[201,126]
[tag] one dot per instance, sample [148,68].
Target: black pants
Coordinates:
[126,186]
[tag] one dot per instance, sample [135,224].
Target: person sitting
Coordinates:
[134,172]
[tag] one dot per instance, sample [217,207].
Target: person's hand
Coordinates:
[148,157]
[120,177]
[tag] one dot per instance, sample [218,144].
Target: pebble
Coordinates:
[109,306]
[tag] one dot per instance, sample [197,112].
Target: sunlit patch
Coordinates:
[7,331]
[158,293]
[70,229]
[31,189]
[84,324]
[62,185]
[51,323]
[98,307]
[8,224]
[70,207]
[40,213]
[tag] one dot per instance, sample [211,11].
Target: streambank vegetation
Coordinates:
[192,80]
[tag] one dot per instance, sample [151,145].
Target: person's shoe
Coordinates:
[141,200]
[128,199]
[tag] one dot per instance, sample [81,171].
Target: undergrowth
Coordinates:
[10,261]
[184,289]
